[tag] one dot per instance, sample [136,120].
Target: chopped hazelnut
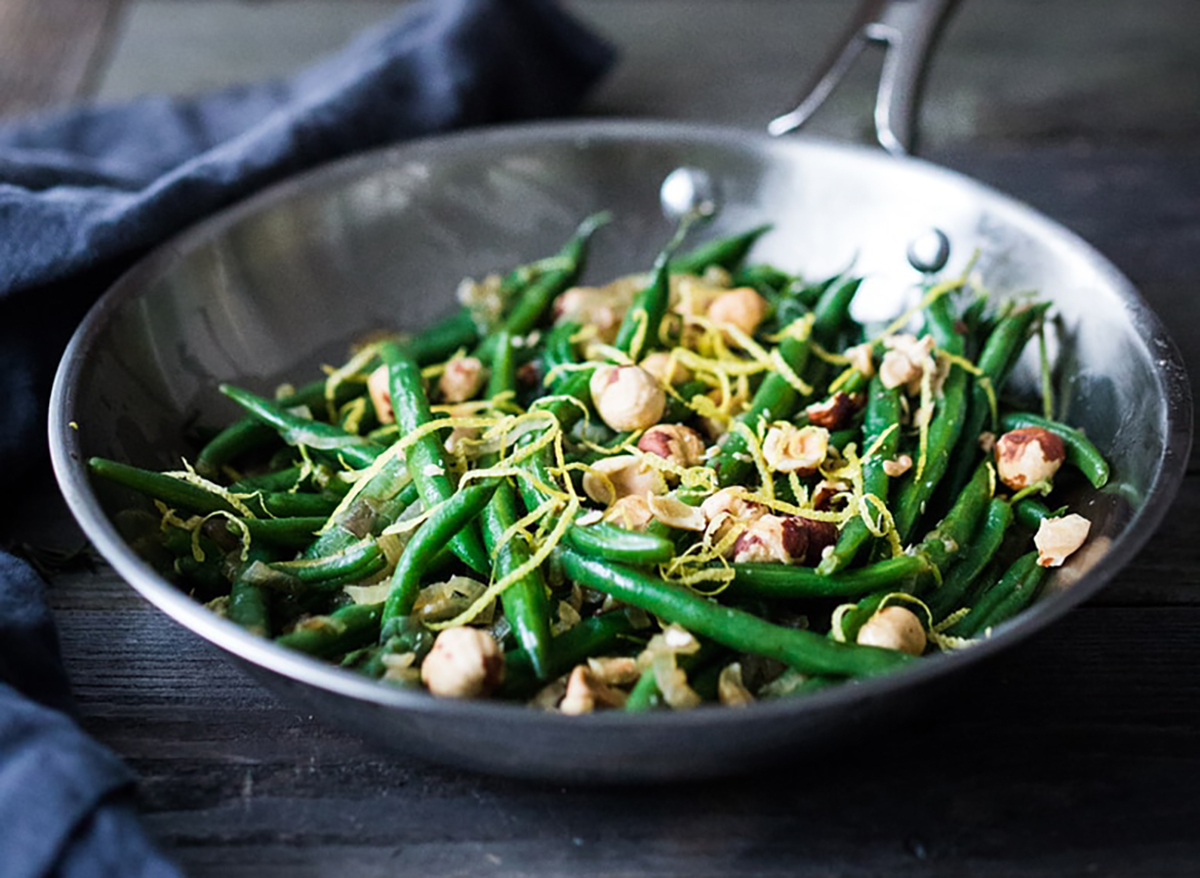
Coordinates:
[727,507]
[905,361]
[898,466]
[1028,455]
[894,628]
[381,395]
[674,442]
[743,308]
[627,397]
[861,359]
[783,539]
[464,663]
[827,492]
[1058,538]
[667,370]
[601,308]
[611,478]
[462,379]
[791,449]
[833,413]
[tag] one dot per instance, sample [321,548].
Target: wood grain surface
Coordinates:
[1075,753]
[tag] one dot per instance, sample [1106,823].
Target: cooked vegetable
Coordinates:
[702,483]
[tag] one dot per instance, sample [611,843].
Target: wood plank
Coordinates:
[50,50]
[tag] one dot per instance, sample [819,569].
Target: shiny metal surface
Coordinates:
[270,289]
[907,30]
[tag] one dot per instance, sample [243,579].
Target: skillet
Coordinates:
[267,290]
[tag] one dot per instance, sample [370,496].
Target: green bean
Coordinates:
[786,582]
[426,458]
[976,555]
[286,533]
[832,311]
[358,561]
[525,600]
[942,436]
[995,360]
[1015,589]
[326,440]
[645,314]
[248,604]
[278,480]
[725,253]
[1081,453]
[179,493]
[448,519]
[1031,512]
[945,542]
[605,634]
[736,629]
[535,300]
[330,636]
[879,429]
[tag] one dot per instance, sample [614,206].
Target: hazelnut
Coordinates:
[768,539]
[462,379]
[666,369]
[743,308]
[464,663]
[602,308]
[807,539]
[860,358]
[800,450]
[827,492]
[674,442]
[834,413]
[905,361]
[784,539]
[627,397]
[727,507]
[1028,455]
[894,628]
[379,389]
[611,478]
[1058,538]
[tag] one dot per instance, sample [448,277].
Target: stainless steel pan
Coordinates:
[266,291]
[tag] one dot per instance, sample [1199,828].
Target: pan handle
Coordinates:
[907,29]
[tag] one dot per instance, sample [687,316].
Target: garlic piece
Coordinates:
[675,513]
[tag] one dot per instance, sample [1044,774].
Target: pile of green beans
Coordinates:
[467,477]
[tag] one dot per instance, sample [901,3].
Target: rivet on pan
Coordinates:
[929,252]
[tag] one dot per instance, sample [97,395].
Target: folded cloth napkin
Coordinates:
[82,194]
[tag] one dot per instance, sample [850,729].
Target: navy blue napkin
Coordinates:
[82,195]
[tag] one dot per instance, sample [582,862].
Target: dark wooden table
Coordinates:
[1076,753]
